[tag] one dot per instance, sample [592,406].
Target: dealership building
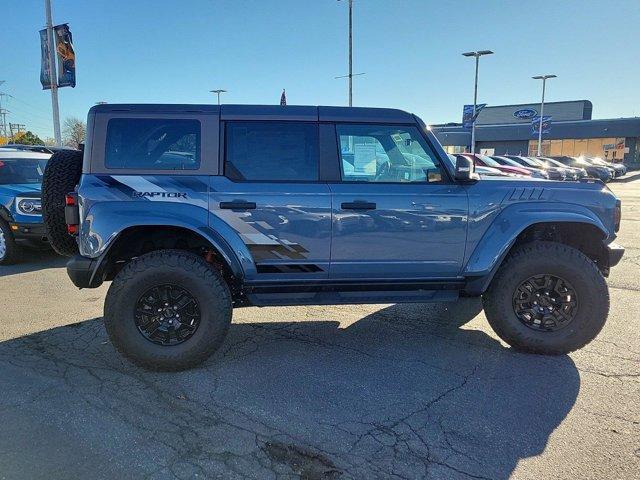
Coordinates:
[507,129]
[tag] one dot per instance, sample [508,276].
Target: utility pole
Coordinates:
[544,82]
[477,56]
[53,75]
[18,127]
[3,123]
[218,92]
[350,53]
[351,74]
[3,113]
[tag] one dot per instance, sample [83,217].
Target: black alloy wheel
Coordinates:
[167,315]
[545,302]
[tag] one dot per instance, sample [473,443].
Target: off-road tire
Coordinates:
[13,253]
[60,177]
[556,259]
[180,268]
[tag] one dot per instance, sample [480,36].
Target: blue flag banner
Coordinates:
[66,56]
[535,125]
[45,78]
[467,114]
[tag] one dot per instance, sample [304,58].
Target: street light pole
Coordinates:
[350,75]
[544,83]
[218,92]
[350,53]
[53,79]
[477,56]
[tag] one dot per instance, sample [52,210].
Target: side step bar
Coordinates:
[352,286]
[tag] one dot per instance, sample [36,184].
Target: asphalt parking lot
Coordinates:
[377,391]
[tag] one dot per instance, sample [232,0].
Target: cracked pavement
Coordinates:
[375,391]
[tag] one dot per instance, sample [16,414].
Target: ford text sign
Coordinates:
[525,113]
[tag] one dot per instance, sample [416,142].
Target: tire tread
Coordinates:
[176,259]
[497,313]
[61,176]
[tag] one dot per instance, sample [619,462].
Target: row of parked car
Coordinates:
[562,168]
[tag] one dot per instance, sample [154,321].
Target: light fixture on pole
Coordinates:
[477,56]
[544,83]
[218,92]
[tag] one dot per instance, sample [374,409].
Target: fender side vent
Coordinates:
[526,193]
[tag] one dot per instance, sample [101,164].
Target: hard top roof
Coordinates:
[268,112]
[12,154]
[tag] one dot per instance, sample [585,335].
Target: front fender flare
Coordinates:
[504,230]
[5,214]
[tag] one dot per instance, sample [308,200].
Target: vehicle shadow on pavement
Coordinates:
[33,261]
[408,390]
[630,177]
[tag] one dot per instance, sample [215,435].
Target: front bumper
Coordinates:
[83,271]
[614,253]
[29,232]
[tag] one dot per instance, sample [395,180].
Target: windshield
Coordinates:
[21,170]
[530,161]
[501,160]
[509,162]
[490,162]
[598,161]
[555,163]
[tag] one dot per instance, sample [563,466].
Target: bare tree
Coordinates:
[74,131]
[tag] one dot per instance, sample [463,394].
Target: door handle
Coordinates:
[358,206]
[238,205]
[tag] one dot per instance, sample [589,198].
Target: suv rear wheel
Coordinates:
[547,298]
[168,310]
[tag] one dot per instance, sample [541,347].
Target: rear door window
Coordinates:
[272,151]
[153,144]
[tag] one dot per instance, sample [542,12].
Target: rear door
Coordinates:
[272,197]
[396,214]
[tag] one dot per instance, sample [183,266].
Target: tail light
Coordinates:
[617,216]
[72,213]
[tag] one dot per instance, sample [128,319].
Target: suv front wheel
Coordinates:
[168,310]
[10,252]
[547,298]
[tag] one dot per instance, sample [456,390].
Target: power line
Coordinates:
[35,111]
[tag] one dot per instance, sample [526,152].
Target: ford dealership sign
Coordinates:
[525,113]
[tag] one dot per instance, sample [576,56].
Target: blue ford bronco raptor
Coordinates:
[192,210]
[20,205]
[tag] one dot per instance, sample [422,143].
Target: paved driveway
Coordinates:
[399,391]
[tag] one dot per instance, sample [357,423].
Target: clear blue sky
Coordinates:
[175,51]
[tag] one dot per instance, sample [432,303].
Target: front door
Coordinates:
[270,195]
[396,214]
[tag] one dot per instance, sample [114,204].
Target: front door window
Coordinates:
[386,154]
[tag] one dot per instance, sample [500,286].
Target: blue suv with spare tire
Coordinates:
[20,205]
[193,210]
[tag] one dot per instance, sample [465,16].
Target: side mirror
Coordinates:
[466,170]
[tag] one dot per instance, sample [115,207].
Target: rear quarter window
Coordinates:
[153,144]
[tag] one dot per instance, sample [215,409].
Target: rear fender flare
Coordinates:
[104,223]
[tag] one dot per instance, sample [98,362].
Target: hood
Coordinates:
[30,189]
